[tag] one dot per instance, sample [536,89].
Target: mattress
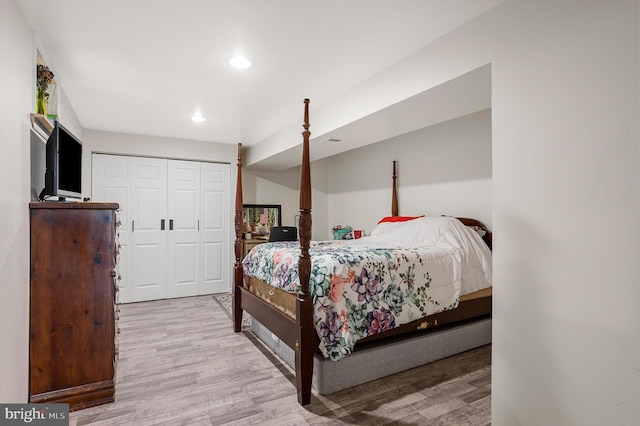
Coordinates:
[286,301]
[402,273]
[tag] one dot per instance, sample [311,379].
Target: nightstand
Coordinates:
[247,245]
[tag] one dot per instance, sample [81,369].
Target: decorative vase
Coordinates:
[41,102]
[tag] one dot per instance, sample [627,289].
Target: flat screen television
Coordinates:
[63,174]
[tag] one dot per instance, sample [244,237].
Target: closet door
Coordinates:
[139,186]
[111,182]
[184,250]
[215,229]
[148,229]
[176,225]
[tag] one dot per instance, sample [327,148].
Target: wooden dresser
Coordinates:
[72,345]
[247,245]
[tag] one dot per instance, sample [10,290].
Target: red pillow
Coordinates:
[398,218]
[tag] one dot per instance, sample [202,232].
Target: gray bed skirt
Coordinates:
[375,360]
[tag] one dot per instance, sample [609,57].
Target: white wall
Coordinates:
[566,203]
[260,187]
[67,116]
[320,218]
[442,169]
[17,85]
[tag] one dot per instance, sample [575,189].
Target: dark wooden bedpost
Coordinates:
[237,266]
[305,342]
[394,193]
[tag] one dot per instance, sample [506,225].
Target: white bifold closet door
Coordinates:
[148,244]
[184,267]
[175,228]
[215,228]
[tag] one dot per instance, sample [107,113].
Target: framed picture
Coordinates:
[258,219]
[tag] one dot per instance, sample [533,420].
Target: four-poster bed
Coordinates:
[289,315]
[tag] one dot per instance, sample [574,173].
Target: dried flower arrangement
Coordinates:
[44,77]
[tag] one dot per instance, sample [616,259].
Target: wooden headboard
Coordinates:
[474,223]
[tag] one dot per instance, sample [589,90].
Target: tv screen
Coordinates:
[63,175]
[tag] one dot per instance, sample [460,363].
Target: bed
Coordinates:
[385,285]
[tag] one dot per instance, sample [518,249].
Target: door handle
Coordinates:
[133,225]
[170,224]
[162,224]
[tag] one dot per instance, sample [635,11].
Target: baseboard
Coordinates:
[79,397]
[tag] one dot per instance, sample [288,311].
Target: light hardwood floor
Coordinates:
[181,364]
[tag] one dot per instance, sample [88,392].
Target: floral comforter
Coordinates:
[361,288]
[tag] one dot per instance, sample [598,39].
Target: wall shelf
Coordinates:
[41,124]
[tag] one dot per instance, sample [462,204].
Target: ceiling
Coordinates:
[146,66]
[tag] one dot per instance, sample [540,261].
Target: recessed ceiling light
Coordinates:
[240,62]
[198,118]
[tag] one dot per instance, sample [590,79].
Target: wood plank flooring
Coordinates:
[181,364]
